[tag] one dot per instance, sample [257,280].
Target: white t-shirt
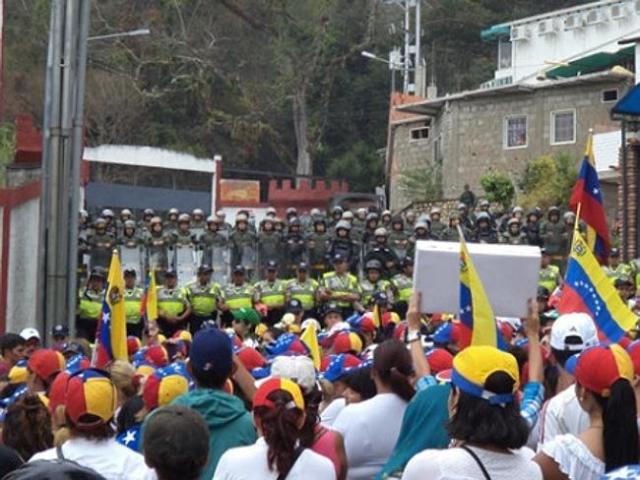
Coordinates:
[370,430]
[574,458]
[457,464]
[562,414]
[329,414]
[107,457]
[250,463]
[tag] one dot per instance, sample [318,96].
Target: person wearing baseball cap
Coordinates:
[278,412]
[303,290]
[571,334]
[604,376]
[32,339]
[484,422]
[211,364]
[205,296]
[340,286]
[90,404]
[237,294]
[43,367]
[271,293]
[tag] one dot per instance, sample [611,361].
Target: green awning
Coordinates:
[495,32]
[591,63]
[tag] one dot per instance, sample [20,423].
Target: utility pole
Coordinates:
[63,124]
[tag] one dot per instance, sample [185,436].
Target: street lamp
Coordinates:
[393,66]
[133,33]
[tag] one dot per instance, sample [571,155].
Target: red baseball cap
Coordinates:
[46,362]
[58,391]
[261,399]
[347,342]
[439,359]
[251,358]
[350,361]
[157,356]
[599,367]
[90,392]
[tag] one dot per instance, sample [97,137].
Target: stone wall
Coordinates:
[629,217]
[472,134]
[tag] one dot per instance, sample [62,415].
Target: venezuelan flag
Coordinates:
[588,195]
[111,338]
[149,304]
[587,289]
[475,310]
[310,338]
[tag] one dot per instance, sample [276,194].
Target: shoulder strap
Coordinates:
[296,454]
[477,460]
[59,453]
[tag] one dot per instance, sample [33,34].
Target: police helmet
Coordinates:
[348,215]
[291,211]
[386,213]
[148,212]
[107,213]
[516,209]
[406,261]
[380,232]
[337,209]
[344,225]
[421,224]
[484,203]
[513,221]
[130,224]
[125,211]
[397,220]
[569,216]
[212,219]
[129,272]
[98,272]
[241,217]
[315,212]
[197,212]
[436,211]
[155,220]
[373,265]
[372,216]
[100,223]
[294,222]
[184,218]
[174,211]
[83,213]
[205,268]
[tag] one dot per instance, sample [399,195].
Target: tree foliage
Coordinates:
[424,185]
[498,188]
[548,181]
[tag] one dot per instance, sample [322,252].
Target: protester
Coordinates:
[370,432]
[176,443]
[211,365]
[27,426]
[90,403]
[278,412]
[9,460]
[485,423]
[603,387]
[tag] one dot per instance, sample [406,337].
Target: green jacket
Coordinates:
[229,422]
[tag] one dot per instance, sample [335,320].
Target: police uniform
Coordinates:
[236,297]
[173,302]
[369,289]
[304,292]
[204,303]
[271,294]
[89,310]
[341,285]
[403,288]
[549,277]
[133,306]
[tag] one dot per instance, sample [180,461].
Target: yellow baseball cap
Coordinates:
[473,365]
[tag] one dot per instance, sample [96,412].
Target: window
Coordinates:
[420,133]
[610,96]
[515,132]
[563,127]
[504,54]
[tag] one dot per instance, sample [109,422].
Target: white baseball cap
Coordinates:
[298,369]
[29,333]
[578,326]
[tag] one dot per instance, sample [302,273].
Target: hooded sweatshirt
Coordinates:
[230,424]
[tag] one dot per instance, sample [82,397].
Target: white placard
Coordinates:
[509,274]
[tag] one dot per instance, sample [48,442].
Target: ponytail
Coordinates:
[393,366]
[312,402]
[620,434]
[280,430]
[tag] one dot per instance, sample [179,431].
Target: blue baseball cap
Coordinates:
[211,351]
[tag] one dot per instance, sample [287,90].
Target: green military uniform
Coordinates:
[317,248]
[100,248]
[549,278]
[398,241]
[341,285]
[132,307]
[243,250]
[89,310]
[304,292]
[172,303]
[204,303]
[269,247]
[369,289]
[178,237]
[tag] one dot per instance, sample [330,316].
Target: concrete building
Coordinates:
[549,89]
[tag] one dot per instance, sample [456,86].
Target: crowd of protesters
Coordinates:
[227,384]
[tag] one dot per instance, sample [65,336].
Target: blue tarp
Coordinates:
[628,107]
[112,195]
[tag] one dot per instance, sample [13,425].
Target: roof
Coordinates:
[433,106]
[148,157]
[592,63]
[398,99]
[495,31]
[628,107]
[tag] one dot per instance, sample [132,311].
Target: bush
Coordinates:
[498,188]
[424,185]
[548,181]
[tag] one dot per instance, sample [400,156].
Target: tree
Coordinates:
[362,167]
[498,188]
[424,185]
[548,181]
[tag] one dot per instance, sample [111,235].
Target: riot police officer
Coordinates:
[373,283]
[318,247]
[243,245]
[294,246]
[381,252]
[237,294]
[271,292]
[340,287]
[204,296]
[173,307]
[303,289]
[437,226]
[344,246]
[133,296]
[90,300]
[269,242]
[158,244]
[101,245]
[402,284]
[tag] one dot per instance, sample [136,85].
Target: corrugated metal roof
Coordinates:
[148,157]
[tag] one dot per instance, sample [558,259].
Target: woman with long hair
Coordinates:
[27,426]
[603,387]
[485,424]
[371,428]
[279,416]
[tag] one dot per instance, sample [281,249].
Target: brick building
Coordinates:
[465,135]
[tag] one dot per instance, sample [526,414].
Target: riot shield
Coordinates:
[248,258]
[186,264]
[132,259]
[220,262]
